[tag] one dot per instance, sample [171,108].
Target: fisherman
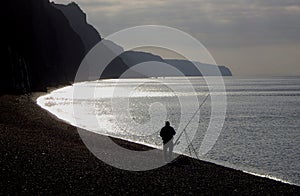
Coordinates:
[167,133]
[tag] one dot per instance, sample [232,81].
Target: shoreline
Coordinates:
[251,171]
[41,154]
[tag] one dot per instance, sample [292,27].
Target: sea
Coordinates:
[259,130]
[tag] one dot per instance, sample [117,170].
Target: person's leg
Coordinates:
[165,152]
[168,151]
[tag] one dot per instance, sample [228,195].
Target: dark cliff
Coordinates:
[78,21]
[90,37]
[39,47]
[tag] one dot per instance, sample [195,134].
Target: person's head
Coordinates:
[167,123]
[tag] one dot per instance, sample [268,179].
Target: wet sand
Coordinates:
[42,155]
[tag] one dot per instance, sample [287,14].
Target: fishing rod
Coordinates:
[177,140]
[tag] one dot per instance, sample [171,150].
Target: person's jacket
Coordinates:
[167,133]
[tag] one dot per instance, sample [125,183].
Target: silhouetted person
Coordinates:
[167,133]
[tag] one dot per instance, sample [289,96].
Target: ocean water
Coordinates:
[260,134]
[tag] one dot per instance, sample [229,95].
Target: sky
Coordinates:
[251,37]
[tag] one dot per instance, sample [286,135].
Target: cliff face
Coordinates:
[39,47]
[78,21]
[90,37]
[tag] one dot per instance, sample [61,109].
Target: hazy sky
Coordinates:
[251,37]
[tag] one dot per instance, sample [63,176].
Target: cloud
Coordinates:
[264,21]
